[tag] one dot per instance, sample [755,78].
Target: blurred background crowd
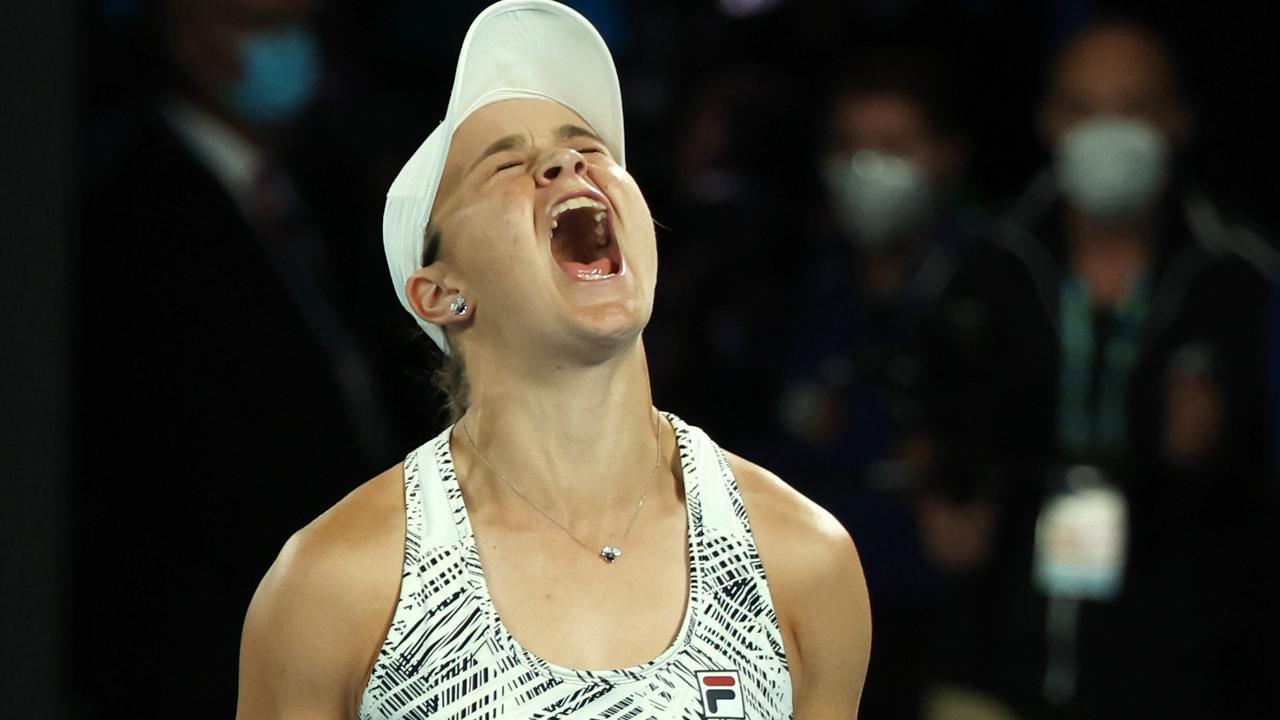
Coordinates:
[990,280]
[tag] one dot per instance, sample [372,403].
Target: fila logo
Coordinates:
[721,692]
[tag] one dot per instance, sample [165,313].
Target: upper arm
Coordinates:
[318,618]
[292,663]
[818,590]
[831,621]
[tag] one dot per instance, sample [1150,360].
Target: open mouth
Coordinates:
[582,240]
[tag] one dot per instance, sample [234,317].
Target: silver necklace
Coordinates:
[608,553]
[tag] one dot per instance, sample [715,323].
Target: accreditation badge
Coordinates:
[1082,538]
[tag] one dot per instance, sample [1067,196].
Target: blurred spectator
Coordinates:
[850,406]
[889,166]
[227,396]
[1117,326]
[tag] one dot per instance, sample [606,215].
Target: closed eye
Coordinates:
[508,165]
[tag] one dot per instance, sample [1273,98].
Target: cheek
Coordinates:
[497,235]
[625,195]
[639,219]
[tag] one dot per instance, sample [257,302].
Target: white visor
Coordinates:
[514,49]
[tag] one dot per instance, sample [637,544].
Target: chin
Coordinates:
[599,331]
[605,312]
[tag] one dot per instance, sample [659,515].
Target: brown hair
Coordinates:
[450,379]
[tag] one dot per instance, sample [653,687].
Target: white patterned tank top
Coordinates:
[447,654]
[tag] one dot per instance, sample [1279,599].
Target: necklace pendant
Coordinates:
[610,553]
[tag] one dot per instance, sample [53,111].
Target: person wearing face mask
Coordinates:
[224,384]
[893,158]
[889,166]
[1104,359]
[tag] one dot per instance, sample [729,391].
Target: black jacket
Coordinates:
[210,423]
[1184,637]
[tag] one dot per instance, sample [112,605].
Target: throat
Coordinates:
[1110,270]
[578,433]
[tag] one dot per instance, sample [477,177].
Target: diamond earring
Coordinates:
[458,306]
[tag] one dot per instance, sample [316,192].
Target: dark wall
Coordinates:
[37,121]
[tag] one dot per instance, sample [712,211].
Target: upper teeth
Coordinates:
[573,203]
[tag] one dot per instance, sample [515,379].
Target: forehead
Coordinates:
[1115,61]
[861,117]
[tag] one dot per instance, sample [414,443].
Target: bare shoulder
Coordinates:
[353,547]
[341,573]
[807,542]
[818,591]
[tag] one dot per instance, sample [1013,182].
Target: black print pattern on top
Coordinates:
[448,657]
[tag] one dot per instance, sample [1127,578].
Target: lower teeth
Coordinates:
[593,274]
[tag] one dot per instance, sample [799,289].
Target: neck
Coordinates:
[576,438]
[1084,231]
[885,270]
[1108,256]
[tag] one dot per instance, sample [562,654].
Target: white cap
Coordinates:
[514,49]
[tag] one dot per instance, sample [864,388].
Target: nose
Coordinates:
[558,161]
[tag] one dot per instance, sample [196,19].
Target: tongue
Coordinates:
[573,268]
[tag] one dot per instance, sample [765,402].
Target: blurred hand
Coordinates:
[1193,416]
[956,535]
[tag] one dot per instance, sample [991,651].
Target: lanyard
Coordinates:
[1087,429]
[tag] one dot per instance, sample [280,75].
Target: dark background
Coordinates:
[72,71]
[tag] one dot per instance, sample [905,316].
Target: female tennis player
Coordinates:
[563,549]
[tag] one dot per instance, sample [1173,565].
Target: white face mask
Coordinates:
[879,198]
[1112,167]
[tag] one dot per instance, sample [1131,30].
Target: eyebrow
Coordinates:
[511,142]
[569,132]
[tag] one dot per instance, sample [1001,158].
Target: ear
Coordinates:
[431,290]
